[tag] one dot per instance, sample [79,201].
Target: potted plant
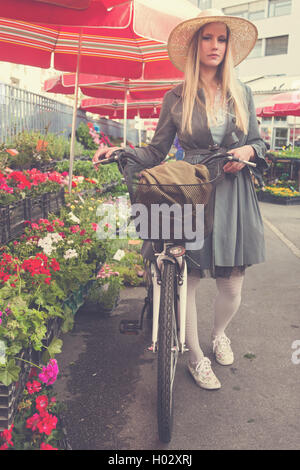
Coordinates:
[104,295]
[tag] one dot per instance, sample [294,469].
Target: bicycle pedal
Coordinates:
[129,327]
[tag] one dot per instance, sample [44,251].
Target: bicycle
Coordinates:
[166,303]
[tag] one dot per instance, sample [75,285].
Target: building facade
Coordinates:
[278,24]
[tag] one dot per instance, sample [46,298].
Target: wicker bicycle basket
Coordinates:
[175,212]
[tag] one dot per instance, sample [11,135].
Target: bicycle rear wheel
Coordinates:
[167,353]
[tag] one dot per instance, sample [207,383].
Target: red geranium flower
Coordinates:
[6,435]
[75,228]
[47,423]
[41,403]
[33,387]
[32,422]
[54,265]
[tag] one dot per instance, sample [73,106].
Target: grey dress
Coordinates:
[237,240]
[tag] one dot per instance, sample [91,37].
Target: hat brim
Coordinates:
[243,37]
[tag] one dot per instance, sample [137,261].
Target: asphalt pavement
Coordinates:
[108,381]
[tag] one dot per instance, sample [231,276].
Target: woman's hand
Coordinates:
[246,153]
[105,151]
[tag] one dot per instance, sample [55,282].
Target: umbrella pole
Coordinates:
[125,119]
[72,146]
[140,136]
[294,133]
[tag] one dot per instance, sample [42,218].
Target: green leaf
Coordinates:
[55,346]
[10,373]
[69,320]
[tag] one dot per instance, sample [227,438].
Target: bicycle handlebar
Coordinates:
[115,158]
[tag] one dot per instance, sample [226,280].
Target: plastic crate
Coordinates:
[53,202]
[12,220]
[35,207]
[13,216]
[10,395]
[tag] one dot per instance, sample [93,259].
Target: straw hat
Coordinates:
[243,36]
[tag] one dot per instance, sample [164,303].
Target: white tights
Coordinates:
[226,305]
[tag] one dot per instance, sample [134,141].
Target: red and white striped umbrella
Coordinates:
[123,109]
[58,12]
[114,109]
[98,86]
[282,104]
[101,86]
[128,40]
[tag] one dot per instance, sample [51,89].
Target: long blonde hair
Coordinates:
[231,90]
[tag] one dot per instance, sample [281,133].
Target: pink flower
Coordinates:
[49,373]
[75,228]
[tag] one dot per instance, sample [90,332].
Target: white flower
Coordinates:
[56,237]
[70,242]
[74,218]
[70,254]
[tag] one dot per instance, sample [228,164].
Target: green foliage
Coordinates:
[103,297]
[9,373]
[4,157]
[32,147]
[51,350]
[108,173]
[130,269]
[83,136]
[80,168]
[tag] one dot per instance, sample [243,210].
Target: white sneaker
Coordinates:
[204,375]
[222,350]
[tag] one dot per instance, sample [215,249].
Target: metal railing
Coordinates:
[22,110]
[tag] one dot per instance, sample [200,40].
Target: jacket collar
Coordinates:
[230,138]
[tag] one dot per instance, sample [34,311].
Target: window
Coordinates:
[280,7]
[280,118]
[257,10]
[277,45]
[202,4]
[250,10]
[257,50]
[238,10]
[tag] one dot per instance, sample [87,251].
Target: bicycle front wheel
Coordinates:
[167,353]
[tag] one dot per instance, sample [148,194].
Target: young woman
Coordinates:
[210,109]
